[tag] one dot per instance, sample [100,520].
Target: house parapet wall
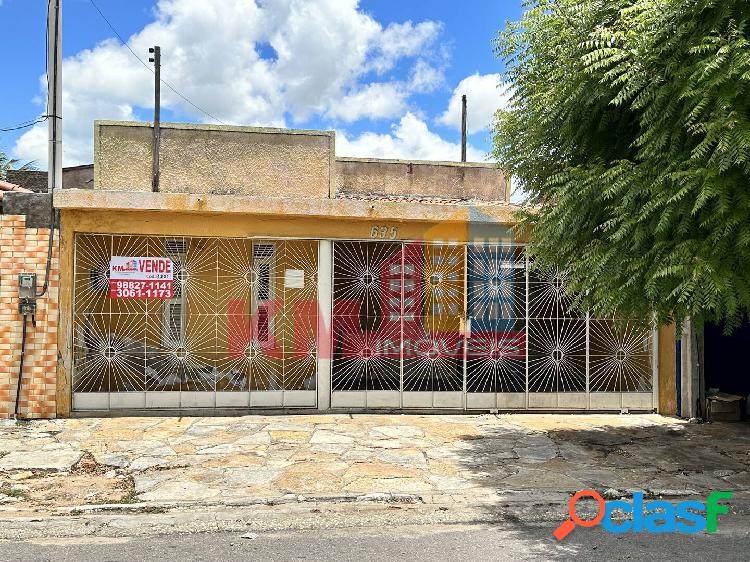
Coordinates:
[253,161]
[215,159]
[451,180]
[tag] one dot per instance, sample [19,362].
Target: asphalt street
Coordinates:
[410,543]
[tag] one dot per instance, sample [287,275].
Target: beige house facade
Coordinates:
[268,274]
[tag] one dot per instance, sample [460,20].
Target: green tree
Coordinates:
[11,164]
[629,130]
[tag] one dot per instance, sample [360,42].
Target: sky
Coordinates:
[386,75]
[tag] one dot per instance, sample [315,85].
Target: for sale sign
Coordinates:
[141,278]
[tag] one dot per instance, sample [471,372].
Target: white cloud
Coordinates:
[34,144]
[409,139]
[404,40]
[373,101]
[211,52]
[484,96]
[425,77]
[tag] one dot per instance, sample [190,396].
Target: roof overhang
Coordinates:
[342,209]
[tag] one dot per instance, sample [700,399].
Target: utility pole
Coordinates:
[463,128]
[27,285]
[156,59]
[54,94]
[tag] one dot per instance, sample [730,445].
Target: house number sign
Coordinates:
[382,232]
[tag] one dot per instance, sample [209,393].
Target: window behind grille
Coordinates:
[263,258]
[175,309]
[174,322]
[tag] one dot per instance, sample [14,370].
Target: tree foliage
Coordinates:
[629,130]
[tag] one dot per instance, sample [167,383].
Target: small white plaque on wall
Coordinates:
[294,279]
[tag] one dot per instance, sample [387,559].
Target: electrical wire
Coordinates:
[41,119]
[148,67]
[51,170]
[25,124]
[20,367]
[52,166]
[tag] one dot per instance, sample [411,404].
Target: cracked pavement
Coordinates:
[475,461]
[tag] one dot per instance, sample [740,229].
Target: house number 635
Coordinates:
[384,232]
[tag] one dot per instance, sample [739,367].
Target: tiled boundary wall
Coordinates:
[25,249]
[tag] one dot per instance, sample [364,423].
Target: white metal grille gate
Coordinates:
[239,331]
[418,325]
[414,325]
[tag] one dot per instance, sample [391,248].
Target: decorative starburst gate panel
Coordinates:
[238,328]
[396,324]
[557,343]
[619,357]
[496,342]
[366,325]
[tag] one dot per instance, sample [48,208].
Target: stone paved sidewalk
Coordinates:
[46,465]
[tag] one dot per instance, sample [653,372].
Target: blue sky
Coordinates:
[386,75]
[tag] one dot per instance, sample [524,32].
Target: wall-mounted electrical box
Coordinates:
[27,285]
[27,294]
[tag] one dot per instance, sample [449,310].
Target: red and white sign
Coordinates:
[141,278]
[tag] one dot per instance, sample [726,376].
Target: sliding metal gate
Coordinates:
[238,327]
[413,325]
[418,325]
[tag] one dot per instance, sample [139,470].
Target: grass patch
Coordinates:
[13,492]
[130,497]
[152,509]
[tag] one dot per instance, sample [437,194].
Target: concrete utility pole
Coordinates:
[54,94]
[27,282]
[463,128]
[156,59]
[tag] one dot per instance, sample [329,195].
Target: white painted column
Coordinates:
[325,308]
[690,378]
[655,368]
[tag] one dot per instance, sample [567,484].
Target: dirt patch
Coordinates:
[87,483]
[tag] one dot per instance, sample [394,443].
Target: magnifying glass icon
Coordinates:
[569,524]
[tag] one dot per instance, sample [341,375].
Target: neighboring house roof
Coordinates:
[80,177]
[6,186]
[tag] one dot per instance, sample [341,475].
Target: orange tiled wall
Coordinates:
[25,249]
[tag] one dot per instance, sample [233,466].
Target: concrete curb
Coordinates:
[502,497]
[378,510]
[283,500]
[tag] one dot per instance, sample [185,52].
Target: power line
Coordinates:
[167,84]
[25,124]
[31,122]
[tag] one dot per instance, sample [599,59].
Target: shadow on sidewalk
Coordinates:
[534,473]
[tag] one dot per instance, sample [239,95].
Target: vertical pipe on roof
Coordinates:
[156,59]
[463,128]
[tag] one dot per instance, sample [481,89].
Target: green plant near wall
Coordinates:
[629,131]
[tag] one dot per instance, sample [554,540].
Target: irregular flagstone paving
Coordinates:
[264,457]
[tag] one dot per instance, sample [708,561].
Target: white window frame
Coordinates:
[270,262]
[166,332]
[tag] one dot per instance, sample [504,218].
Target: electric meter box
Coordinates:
[27,285]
